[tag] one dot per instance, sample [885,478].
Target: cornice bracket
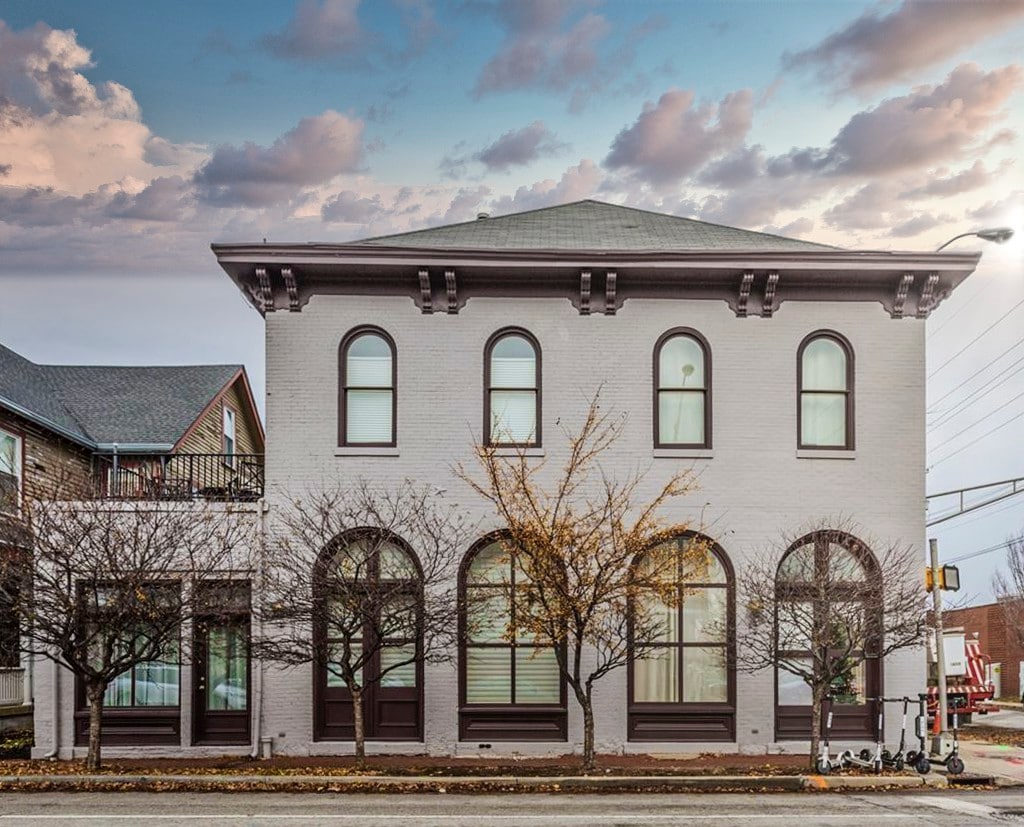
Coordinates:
[453,295]
[292,287]
[745,284]
[611,277]
[902,290]
[927,300]
[768,307]
[585,293]
[264,293]
[426,299]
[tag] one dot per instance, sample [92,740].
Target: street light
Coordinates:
[999,235]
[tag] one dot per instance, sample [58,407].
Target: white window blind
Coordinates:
[514,416]
[369,390]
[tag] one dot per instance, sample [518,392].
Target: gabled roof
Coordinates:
[95,406]
[591,225]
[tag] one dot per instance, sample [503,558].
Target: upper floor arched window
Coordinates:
[512,383]
[369,375]
[682,390]
[825,390]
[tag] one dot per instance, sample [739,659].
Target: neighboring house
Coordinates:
[789,375]
[182,432]
[993,625]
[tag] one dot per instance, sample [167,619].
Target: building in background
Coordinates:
[998,639]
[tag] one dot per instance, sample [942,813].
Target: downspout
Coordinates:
[258,682]
[56,713]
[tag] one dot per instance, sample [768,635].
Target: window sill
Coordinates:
[515,452]
[811,453]
[368,451]
[683,453]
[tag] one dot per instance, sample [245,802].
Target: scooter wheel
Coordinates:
[955,765]
[865,755]
[824,767]
[922,764]
[886,755]
[898,764]
[911,757]
[878,767]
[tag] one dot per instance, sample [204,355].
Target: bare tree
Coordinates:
[1008,585]
[577,540]
[103,588]
[360,582]
[820,605]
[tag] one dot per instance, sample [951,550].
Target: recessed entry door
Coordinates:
[221,681]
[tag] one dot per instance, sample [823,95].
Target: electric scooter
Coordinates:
[953,763]
[918,758]
[825,764]
[896,760]
[865,758]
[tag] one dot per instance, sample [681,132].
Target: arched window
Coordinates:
[682,390]
[368,590]
[512,389]
[827,580]
[825,389]
[682,675]
[369,375]
[510,684]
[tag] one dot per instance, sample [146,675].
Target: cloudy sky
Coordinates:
[134,134]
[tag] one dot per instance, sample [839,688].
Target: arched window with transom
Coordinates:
[510,686]
[512,389]
[682,390]
[825,392]
[368,592]
[827,580]
[368,404]
[682,682]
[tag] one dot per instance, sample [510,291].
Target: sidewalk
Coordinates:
[466,784]
[1004,763]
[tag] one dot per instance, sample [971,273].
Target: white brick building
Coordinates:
[765,327]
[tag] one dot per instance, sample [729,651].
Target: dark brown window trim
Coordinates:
[689,720]
[343,389]
[322,727]
[503,722]
[496,337]
[851,721]
[706,348]
[21,436]
[844,343]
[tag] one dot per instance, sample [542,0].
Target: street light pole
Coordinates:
[940,649]
[999,235]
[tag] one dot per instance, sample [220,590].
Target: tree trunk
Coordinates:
[94,694]
[817,697]
[360,729]
[587,706]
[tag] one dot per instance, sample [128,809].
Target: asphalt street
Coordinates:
[769,810]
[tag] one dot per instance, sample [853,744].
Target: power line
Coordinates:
[977,439]
[986,514]
[973,397]
[979,552]
[966,303]
[978,421]
[949,393]
[975,339]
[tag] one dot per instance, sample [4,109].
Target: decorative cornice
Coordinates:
[927,300]
[292,288]
[610,287]
[769,295]
[264,293]
[453,295]
[902,289]
[585,293]
[744,296]
[426,300]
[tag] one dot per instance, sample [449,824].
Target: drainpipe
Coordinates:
[257,730]
[56,713]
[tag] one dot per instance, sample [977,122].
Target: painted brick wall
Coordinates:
[752,490]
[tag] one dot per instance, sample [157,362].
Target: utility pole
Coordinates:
[940,649]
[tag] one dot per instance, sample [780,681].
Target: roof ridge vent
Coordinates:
[480,216]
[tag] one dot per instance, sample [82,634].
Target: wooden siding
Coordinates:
[206,437]
[49,462]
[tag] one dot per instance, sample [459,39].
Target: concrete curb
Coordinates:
[466,784]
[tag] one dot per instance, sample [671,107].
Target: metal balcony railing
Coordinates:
[219,477]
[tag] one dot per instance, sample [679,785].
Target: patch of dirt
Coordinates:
[993,735]
[567,765]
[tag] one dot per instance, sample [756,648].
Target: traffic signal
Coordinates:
[949,579]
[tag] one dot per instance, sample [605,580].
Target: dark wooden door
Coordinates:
[221,678]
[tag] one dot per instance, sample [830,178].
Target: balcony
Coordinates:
[213,477]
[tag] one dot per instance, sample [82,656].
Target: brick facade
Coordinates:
[997,638]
